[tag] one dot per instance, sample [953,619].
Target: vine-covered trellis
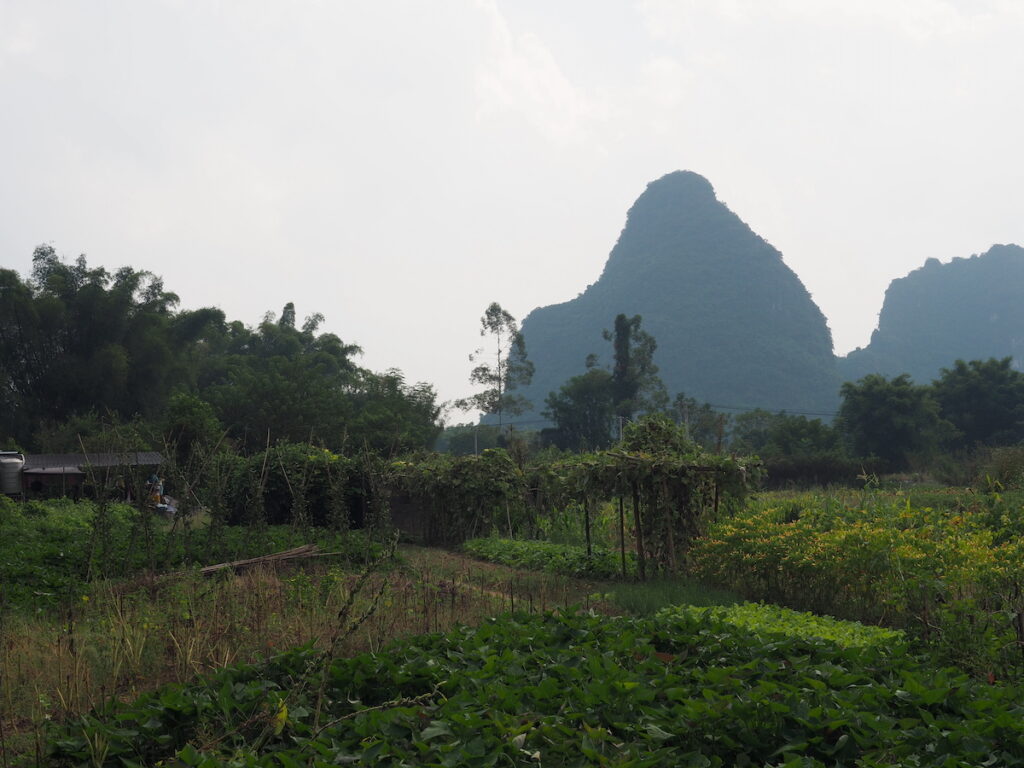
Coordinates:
[466,496]
[665,491]
[670,497]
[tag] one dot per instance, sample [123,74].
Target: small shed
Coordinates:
[66,474]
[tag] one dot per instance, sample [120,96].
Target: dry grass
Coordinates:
[129,637]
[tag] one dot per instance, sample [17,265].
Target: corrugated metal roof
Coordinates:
[53,471]
[38,461]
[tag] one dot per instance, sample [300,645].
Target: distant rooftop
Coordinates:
[34,462]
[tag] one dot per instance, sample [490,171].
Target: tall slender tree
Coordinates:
[500,368]
[635,383]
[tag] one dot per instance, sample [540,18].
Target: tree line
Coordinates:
[882,425]
[83,349]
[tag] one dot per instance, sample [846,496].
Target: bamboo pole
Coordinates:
[622,535]
[586,520]
[640,556]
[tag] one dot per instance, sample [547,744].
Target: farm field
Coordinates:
[70,642]
[686,687]
[437,658]
[947,565]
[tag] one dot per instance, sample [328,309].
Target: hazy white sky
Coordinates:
[398,164]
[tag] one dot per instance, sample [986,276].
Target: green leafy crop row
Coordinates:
[683,689]
[564,559]
[952,576]
[767,621]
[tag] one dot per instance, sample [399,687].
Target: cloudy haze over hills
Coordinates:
[397,166]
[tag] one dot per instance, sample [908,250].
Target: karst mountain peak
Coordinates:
[736,327]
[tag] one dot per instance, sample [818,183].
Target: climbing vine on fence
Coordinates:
[666,490]
[467,496]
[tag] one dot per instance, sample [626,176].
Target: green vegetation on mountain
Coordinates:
[734,324]
[968,309]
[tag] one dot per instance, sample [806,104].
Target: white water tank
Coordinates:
[10,472]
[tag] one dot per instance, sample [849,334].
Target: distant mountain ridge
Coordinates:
[968,309]
[734,324]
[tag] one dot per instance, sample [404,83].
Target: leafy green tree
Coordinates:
[293,384]
[75,339]
[83,349]
[189,424]
[582,411]
[296,384]
[94,431]
[799,436]
[500,370]
[984,400]
[702,422]
[392,417]
[635,383]
[750,432]
[468,439]
[781,434]
[891,419]
[589,409]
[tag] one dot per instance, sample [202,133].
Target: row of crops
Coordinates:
[688,687]
[51,551]
[950,570]
[746,685]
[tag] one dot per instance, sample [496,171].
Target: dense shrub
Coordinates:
[1005,466]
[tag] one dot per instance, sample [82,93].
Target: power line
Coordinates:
[781,410]
[718,406]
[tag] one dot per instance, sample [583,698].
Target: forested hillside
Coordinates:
[83,350]
[733,324]
[968,309]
